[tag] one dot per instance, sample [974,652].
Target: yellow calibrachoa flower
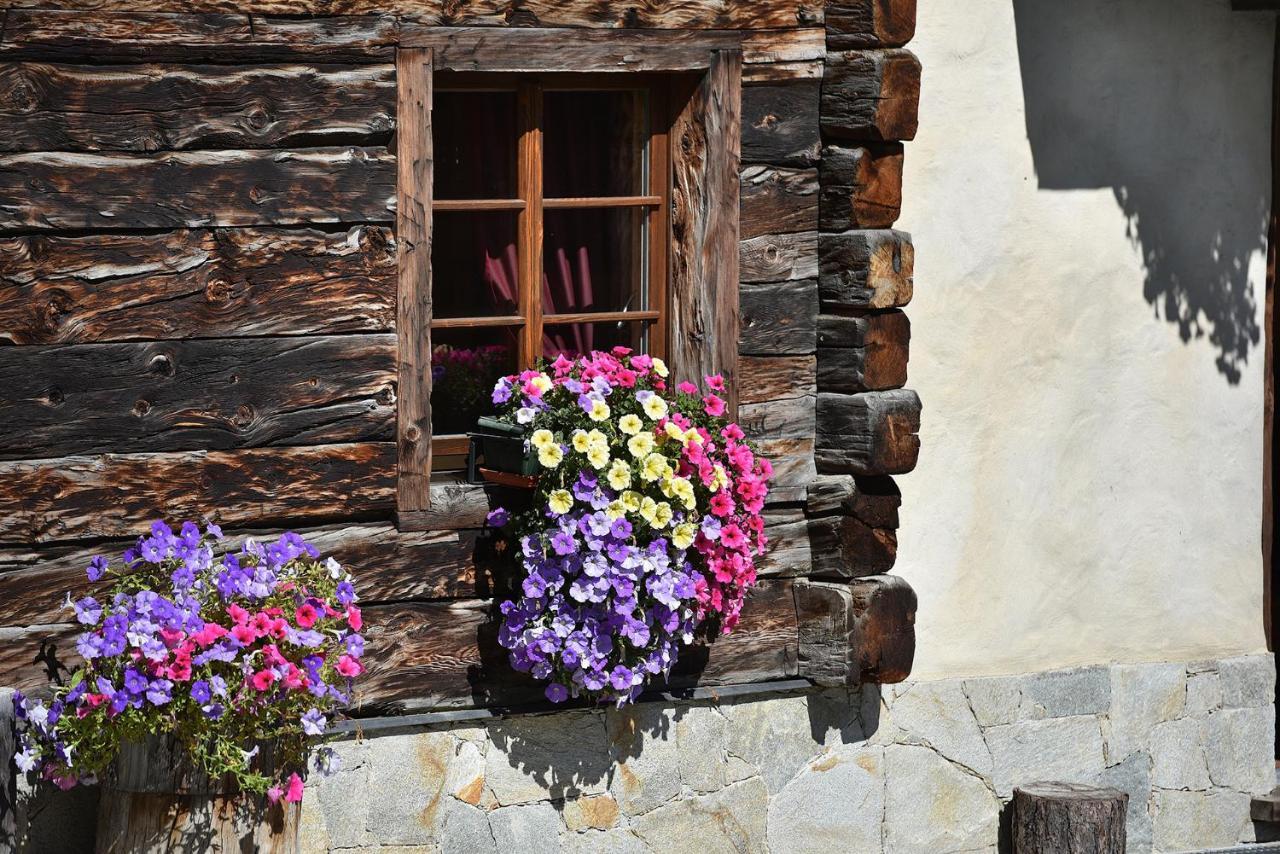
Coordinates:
[630,424]
[598,456]
[619,475]
[683,534]
[662,515]
[599,411]
[720,480]
[541,382]
[560,501]
[541,439]
[655,467]
[673,430]
[660,367]
[616,509]
[640,445]
[682,489]
[598,439]
[648,509]
[550,456]
[655,407]
[692,435]
[631,501]
[581,441]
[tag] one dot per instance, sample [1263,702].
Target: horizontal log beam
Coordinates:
[870,23]
[793,468]
[388,565]
[864,353]
[778,401]
[871,95]
[147,31]
[777,200]
[49,107]
[777,318]
[780,123]
[202,283]
[861,187]
[866,269]
[778,257]
[853,526]
[869,433]
[115,495]
[209,394]
[857,632]
[58,190]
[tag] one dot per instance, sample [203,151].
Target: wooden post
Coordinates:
[1068,818]
[413,297]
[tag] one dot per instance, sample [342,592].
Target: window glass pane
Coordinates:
[576,339]
[465,363]
[473,263]
[594,260]
[594,143]
[474,140]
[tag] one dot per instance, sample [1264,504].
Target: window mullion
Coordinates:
[530,221]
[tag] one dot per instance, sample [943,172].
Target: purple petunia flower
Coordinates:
[97,568]
[160,691]
[313,723]
[200,691]
[557,693]
[344,593]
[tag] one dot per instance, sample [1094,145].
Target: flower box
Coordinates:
[500,453]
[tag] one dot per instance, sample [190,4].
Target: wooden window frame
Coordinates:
[531,203]
[700,326]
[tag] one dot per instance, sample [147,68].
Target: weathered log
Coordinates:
[870,23]
[777,397]
[159,107]
[766,74]
[154,800]
[779,257]
[871,95]
[864,353]
[660,14]
[204,283]
[1068,818]
[58,190]
[777,317]
[847,547]
[856,632]
[869,433]
[786,46]
[109,495]
[780,123]
[866,269]
[788,554]
[793,468]
[209,394]
[706,137]
[456,504]
[875,500]
[861,187]
[436,655]
[118,33]
[389,566]
[778,200]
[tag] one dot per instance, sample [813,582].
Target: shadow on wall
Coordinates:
[1166,104]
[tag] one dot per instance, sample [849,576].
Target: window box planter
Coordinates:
[499,453]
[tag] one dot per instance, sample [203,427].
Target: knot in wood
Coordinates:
[161,364]
[412,434]
[141,407]
[386,396]
[257,118]
[217,292]
[54,310]
[55,396]
[22,96]
[244,416]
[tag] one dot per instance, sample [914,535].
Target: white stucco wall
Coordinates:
[1090,483]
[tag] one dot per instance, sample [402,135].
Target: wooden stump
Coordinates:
[1068,818]
[155,801]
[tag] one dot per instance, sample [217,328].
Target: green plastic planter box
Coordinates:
[501,447]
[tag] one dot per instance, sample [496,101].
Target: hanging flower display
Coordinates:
[224,653]
[644,526]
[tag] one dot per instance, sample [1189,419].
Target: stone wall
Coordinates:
[919,767]
[925,766]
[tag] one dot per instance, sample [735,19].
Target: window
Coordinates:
[550,220]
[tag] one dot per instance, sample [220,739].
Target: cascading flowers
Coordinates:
[258,646]
[644,528]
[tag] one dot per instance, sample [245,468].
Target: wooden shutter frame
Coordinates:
[704,155]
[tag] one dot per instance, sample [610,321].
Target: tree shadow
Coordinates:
[1166,104]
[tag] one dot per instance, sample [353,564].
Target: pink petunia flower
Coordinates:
[713,405]
[263,679]
[353,617]
[349,667]
[687,387]
[294,793]
[715,382]
[306,615]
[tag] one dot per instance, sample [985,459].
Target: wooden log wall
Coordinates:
[198,319]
